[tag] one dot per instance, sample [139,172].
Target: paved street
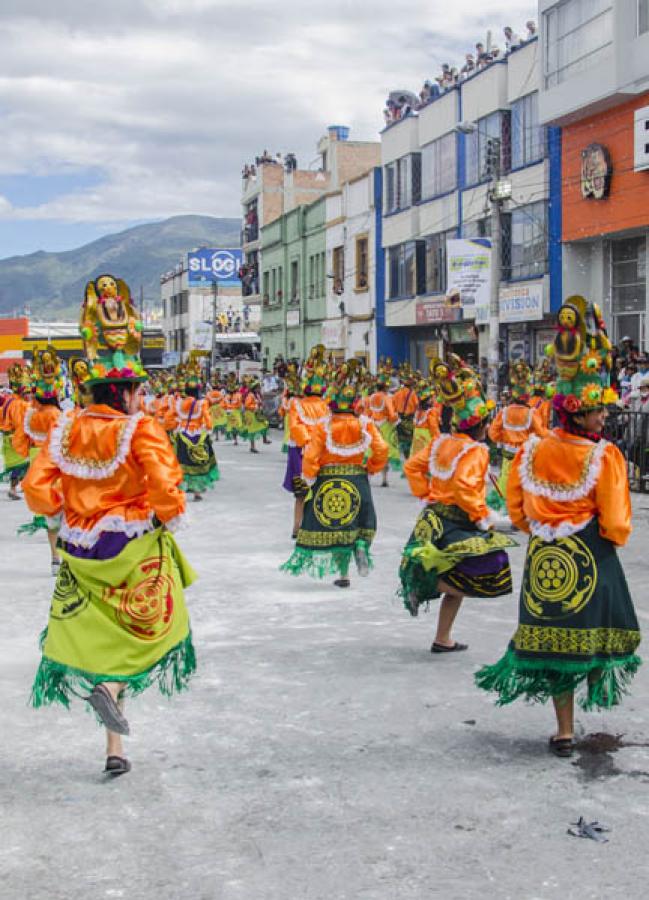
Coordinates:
[322,752]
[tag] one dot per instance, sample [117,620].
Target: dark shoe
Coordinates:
[294,536]
[198,498]
[107,709]
[117,765]
[442,648]
[342,582]
[254,450]
[563,747]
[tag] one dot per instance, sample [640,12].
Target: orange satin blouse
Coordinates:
[34,427]
[558,483]
[305,414]
[344,440]
[452,470]
[381,408]
[514,424]
[107,472]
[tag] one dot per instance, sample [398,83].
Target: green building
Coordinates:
[293,282]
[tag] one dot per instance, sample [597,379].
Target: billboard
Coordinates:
[209,266]
[521,302]
[469,273]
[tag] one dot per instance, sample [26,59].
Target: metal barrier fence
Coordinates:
[629,431]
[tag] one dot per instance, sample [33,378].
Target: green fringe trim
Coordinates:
[538,680]
[321,563]
[395,465]
[284,448]
[58,683]
[36,524]
[219,429]
[495,501]
[201,482]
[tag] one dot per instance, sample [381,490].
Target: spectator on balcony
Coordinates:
[290,162]
[531,30]
[246,317]
[428,92]
[482,58]
[230,316]
[512,40]
[494,52]
[469,66]
[641,374]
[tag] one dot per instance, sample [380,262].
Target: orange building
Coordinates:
[605,213]
[12,332]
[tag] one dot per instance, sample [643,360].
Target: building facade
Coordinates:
[188,311]
[436,185]
[595,85]
[296,284]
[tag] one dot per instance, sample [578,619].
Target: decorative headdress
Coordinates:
[582,353]
[314,372]
[47,377]
[79,372]
[520,380]
[112,332]
[346,386]
[459,387]
[543,380]
[19,377]
[193,376]
[384,373]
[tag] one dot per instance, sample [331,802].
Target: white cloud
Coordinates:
[168,98]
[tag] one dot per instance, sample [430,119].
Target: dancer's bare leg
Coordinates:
[448,610]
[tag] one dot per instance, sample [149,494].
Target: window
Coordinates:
[266,298]
[339,270]
[578,36]
[643,16]
[525,236]
[362,264]
[431,263]
[399,183]
[477,228]
[629,275]
[295,289]
[312,276]
[528,137]
[493,127]
[401,270]
[323,275]
[439,167]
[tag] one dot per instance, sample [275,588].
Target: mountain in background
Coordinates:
[52,284]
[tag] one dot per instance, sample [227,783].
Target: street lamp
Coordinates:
[499,191]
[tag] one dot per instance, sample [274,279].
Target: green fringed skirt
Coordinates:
[197,460]
[405,432]
[255,424]
[577,626]
[339,522]
[389,433]
[473,561]
[120,619]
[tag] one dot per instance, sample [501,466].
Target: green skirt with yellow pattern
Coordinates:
[577,626]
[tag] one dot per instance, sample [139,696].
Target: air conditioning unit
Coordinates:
[641,140]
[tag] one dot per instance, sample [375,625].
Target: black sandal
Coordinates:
[342,582]
[562,747]
[107,709]
[117,765]
[442,648]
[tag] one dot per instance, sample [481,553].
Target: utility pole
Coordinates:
[215,294]
[493,159]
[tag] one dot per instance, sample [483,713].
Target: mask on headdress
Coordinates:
[112,332]
[47,378]
[459,387]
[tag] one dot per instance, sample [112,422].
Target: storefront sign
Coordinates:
[469,273]
[438,309]
[292,318]
[201,336]
[595,172]
[463,334]
[332,334]
[521,303]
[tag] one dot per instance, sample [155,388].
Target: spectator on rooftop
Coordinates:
[469,66]
[512,40]
[494,52]
[481,56]
[531,30]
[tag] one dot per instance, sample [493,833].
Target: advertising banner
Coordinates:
[205,267]
[333,334]
[521,302]
[469,273]
[438,309]
[202,336]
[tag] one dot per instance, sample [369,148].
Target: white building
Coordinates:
[187,311]
[436,188]
[351,219]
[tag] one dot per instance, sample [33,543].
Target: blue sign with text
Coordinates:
[206,266]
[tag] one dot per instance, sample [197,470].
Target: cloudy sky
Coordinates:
[114,113]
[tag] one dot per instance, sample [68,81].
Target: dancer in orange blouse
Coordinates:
[190,419]
[385,417]
[577,628]
[118,622]
[12,414]
[453,549]
[339,518]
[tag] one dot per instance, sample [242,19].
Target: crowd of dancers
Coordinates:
[105,468]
